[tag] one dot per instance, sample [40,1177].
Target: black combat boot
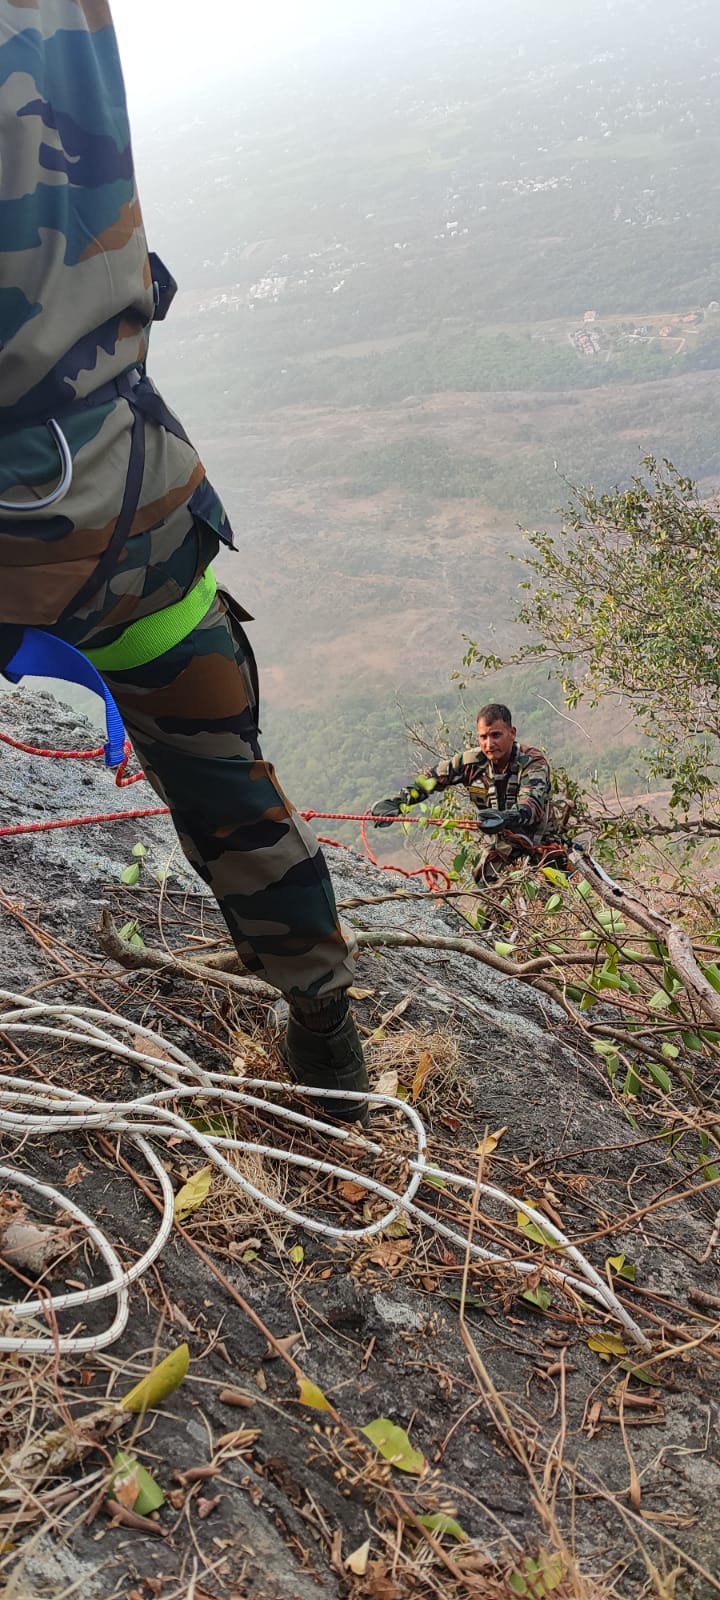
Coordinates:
[327,1058]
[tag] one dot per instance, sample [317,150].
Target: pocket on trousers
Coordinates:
[244,653]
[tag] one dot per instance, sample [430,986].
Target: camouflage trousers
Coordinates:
[192,716]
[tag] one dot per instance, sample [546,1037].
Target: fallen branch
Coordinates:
[677,941]
[136,957]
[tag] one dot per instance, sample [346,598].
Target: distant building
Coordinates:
[589,316]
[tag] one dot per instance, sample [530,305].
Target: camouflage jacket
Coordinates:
[525,782]
[76,303]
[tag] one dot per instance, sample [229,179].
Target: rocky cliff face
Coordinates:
[497,1404]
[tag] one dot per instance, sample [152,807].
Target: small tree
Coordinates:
[625,602]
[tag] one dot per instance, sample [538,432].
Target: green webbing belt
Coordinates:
[153,636]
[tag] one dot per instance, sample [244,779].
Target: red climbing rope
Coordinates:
[435,877]
[78,822]
[80,755]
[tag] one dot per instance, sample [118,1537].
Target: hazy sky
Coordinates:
[169,45]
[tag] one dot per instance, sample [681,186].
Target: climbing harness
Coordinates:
[42,655]
[150,637]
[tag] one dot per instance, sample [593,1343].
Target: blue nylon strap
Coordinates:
[41,655]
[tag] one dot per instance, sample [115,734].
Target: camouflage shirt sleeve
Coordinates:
[461,768]
[534,788]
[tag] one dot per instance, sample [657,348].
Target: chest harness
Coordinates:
[38,652]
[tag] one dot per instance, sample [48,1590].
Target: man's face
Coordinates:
[496,740]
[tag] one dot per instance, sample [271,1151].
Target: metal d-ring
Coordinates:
[29,507]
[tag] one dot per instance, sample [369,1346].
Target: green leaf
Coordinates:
[394,1446]
[296,1255]
[139,850]
[469,1300]
[434,1179]
[130,875]
[691,1041]
[517,1584]
[610,920]
[622,1268]
[149,1495]
[632,1083]
[539,1297]
[659,1075]
[159,1382]
[554,903]
[533,1231]
[712,972]
[583,888]
[659,1001]
[642,1375]
[439,1522]
[503,949]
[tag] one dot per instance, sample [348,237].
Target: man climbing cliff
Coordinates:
[108,523]
[508,783]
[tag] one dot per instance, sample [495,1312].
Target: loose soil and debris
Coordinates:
[545,1453]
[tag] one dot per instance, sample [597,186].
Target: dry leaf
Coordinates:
[358,1561]
[360,994]
[593,1418]
[131,1519]
[310,1395]
[204,1507]
[281,1346]
[240,1439]
[490,1142]
[424,1068]
[238,1246]
[192,1193]
[236,1397]
[351,1191]
[390,1253]
[152,1047]
[387,1083]
[261,1380]
[126,1490]
[75,1175]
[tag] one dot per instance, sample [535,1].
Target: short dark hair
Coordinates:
[494,712]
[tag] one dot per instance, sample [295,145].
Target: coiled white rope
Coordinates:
[27,1109]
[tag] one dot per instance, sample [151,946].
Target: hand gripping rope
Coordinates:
[27,1109]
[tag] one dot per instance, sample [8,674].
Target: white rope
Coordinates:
[28,1108]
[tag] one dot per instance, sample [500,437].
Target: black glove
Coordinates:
[492,821]
[385,810]
[522,818]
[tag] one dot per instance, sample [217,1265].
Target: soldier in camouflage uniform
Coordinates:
[108,523]
[508,783]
